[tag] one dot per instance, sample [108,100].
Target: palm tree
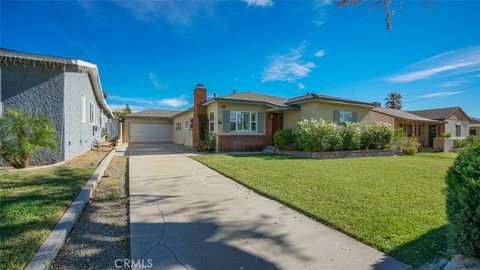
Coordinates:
[22,134]
[394,101]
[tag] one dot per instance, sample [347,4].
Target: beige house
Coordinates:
[474,128]
[247,121]
[424,129]
[240,121]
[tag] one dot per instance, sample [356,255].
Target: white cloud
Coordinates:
[288,67]
[455,62]
[175,12]
[300,86]
[156,83]
[321,8]
[259,3]
[174,102]
[452,84]
[132,100]
[320,53]
[440,94]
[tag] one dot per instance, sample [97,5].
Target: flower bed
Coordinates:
[339,154]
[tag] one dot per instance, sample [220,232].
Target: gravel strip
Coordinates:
[101,234]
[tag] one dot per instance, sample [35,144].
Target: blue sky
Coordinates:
[152,54]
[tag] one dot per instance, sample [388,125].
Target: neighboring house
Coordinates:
[241,121]
[68,91]
[455,120]
[424,129]
[474,127]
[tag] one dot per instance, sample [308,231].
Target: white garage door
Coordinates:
[151,132]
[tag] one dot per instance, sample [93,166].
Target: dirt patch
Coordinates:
[91,158]
[101,234]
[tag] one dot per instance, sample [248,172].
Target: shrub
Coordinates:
[283,138]
[207,144]
[409,150]
[23,134]
[446,134]
[463,202]
[400,139]
[351,135]
[459,143]
[318,136]
[377,136]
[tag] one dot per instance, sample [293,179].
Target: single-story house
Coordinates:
[474,127]
[66,90]
[455,120]
[424,129]
[240,121]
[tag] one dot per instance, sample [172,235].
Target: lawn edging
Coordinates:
[55,240]
[339,154]
[34,168]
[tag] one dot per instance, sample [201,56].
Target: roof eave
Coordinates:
[356,103]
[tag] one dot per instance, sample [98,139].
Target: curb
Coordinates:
[54,242]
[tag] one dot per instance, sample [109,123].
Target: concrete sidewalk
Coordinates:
[184,215]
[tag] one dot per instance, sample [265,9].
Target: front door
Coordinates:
[277,122]
[432,133]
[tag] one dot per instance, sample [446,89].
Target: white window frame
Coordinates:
[459,133]
[83,110]
[91,112]
[341,113]
[211,122]
[239,114]
[187,124]
[191,123]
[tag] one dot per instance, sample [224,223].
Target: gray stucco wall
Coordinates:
[38,90]
[79,135]
[450,127]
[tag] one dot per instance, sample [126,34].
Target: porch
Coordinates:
[423,132]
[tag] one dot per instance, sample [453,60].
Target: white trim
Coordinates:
[250,113]
[91,113]
[83,111]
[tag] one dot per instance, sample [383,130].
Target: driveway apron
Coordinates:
[184,215]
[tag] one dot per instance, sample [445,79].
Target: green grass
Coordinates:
[396,204]
[31,203]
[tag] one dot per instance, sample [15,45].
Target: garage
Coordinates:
[140,132]
[151,126]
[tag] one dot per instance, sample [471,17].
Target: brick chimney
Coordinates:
[199,113]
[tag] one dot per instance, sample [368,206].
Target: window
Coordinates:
[211,122]
[178,126]
[345,117]
[92,113]
[82,108]
[187,124]
[458,131]
[473,132]
[191,123]
[243,121]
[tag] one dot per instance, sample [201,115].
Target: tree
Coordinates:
[394,101]
[123,112]
[23,134]
[387,7]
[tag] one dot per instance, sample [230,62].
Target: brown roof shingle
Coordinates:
[437,114]
[402,114]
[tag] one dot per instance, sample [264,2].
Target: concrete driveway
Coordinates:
[184,215]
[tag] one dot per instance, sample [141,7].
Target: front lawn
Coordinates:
[396,204]
[31,203]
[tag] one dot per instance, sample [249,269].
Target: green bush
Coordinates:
[22,134]
[409,150]
[318,136]
[377,136]
[351,135]
[446,134]
[461,143]
[400,139]
[283,138]
[463,202]
[208,144]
